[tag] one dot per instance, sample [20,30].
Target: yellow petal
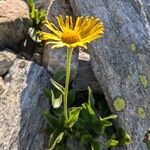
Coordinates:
[61,22]
[53,28]
[58,45]
[71,22]
[47,36]
[67,22]
[78,23]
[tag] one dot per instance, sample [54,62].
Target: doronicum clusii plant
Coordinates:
[85,30]
[80,122]
[36,20]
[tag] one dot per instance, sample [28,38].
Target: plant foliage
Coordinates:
[83,124]
[36,20]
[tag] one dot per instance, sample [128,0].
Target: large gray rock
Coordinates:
[14,16]
[121,61]
[6,60]
[21,106]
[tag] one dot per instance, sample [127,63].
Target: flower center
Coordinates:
[70,37]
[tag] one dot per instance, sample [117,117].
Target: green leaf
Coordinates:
[105,122]
[111,143]
[109,117]
[52,120]
[95,145]
[36,16]
[42,14]
[57,86]
[59,75]
[123,137]
[91,100]
[56,102]
[56,137]
[73,116]
[88,108]
[87,138]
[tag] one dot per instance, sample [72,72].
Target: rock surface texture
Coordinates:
[85,76]
[14,15]
[42,4]
[21,105]
[121,61]
[6,60]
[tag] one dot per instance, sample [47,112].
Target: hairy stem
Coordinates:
[68,63]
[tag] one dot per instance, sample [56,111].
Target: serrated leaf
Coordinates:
[56,138]
[56,102]
[58,86]
[73,116]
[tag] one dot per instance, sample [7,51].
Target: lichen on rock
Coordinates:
[143,80]
[119,104]
[133,47]
[141,112]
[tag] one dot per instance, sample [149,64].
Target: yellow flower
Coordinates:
[85,30]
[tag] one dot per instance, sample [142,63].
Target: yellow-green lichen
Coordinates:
[133,47]
[141,112]
[143,80]
[119,103]
[129,77]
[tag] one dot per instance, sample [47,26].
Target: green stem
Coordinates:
[68,63]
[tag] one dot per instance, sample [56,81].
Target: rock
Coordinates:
[14,16]
[85,76]
[142,146]
[56,59]
[37,58]
[42,4]
[21,107]
[7,58]
[121,61]
[1,85]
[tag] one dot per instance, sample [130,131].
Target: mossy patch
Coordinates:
[129,77]
[133,47]
[141,112]
[119,104]
[143,80]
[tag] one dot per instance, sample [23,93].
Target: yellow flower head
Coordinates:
[85,30]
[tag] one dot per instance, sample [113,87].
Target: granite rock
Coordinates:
[14,16]
[7,58]
[121,61]
[21,106]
